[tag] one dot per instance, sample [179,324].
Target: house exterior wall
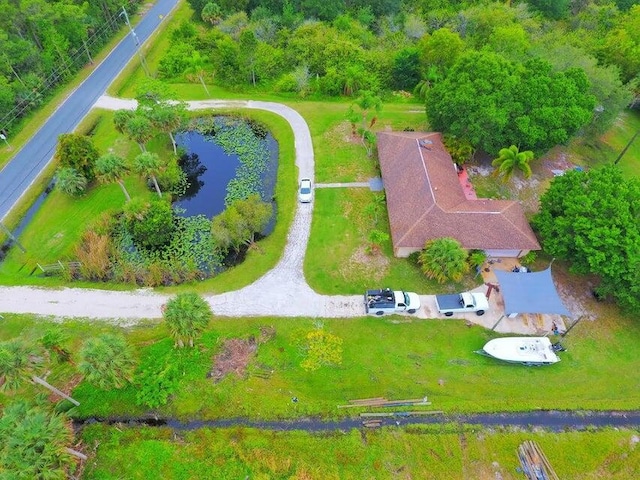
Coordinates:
[506,253]
[403,252]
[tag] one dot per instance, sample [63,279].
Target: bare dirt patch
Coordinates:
[237,353]
[234,358]
[373,266]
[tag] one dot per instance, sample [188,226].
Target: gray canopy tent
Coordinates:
[532,292]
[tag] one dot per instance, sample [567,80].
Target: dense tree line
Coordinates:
[590,218]
[44,42]
[560,67]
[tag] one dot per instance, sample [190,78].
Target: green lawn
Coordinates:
[394,357]
[606,149]
[56,228]
[438,452]
[337,261]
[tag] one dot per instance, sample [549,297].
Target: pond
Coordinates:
[225,160]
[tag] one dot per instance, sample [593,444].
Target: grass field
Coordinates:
[337,261]
[393,357]
[440,452]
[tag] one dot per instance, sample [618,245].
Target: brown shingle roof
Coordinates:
[425,199]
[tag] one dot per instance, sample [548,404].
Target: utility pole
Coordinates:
[564,334]
[3,137]
[624,150]
[134,35]
[12,237]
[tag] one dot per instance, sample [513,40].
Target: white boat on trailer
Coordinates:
[530,351]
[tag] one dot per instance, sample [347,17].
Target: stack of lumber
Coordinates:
[372,423]
[383,402]
[534,462]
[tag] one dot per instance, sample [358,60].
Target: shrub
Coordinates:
[155,385]
[529,258]
[444,259]
[150,222]
[477,258]
[94,253]
[321,348]
[70,181]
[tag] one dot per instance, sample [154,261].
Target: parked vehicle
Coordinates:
[390,301]
[462,303]
[305,193]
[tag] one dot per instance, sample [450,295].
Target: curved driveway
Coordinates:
[283,291]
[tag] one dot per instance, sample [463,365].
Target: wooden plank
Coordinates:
[366,400]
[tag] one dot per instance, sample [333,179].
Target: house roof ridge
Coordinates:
[517,227]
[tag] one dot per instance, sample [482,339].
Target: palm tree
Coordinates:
[167,118]
[196,68]
[107,361]
[510,158]
[120,120]
[211,13]
[187,315]
[149,165]
[34,443]
[366,102]
[18,363]
[111,168]
[139,129]
[444,259]
[53,341]
[70,181]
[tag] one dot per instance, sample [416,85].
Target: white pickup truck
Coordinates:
[390,301]
[462,303]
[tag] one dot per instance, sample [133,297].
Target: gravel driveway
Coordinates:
[283,291]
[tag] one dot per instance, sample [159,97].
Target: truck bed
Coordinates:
[448,302]
[379,299]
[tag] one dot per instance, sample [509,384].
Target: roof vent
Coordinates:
[424,143]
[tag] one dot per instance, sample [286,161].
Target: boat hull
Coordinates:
[531,351]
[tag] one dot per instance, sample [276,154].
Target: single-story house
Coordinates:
[426,201]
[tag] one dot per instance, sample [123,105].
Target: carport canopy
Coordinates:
[532,292]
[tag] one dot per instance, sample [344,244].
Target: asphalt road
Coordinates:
[23,169]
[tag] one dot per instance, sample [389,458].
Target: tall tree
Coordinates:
[151,223]
[18,363]
[444,260]
[238,224]
[187,315]
[493,102]
[196,69]
[107,361]
[34,444]
[120,120]
[366,103]
[590,219]
[149,165]
[139,129]
[167,118]
[78,152]
[111,168]
[512,158]
[211,13]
